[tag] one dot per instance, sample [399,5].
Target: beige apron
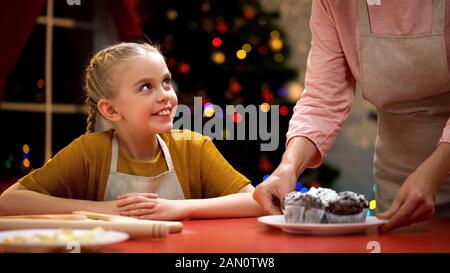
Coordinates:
[166,185]
[413,72]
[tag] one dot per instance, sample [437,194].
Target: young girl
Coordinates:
[141,168]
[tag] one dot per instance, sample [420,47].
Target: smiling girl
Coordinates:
[140,168]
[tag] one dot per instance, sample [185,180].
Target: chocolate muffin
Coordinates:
[303,208]
[322,205]
[348,207]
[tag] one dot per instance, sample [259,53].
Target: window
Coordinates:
[41,108]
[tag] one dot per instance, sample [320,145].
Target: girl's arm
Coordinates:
[239,204]
[17,199]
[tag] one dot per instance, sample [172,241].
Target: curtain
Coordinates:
[17,19]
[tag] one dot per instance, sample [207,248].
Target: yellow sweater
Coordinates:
[80,170]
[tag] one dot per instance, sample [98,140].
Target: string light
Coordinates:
[26,148]
[208,110]
[267,95]
[241,54]
[216,42]
[222,27]
[237,117]
[294,91]
[218,57]
[276,44]
[171,62]
[172,14]
[279,58]
[372,204]
[265,107]
[263,50]
[40,83]
[274,34]
[184,68]
[284,110]
[235,86]
[26,163]
[265,165]
[205,7]
[249,12]
[281,91]
[247,47]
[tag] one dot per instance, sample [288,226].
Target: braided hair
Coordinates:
[98,81]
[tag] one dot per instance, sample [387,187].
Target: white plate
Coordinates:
[321,229]
[80,240]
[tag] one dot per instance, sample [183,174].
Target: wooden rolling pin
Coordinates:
[172,225]
[87,220]
[47,216]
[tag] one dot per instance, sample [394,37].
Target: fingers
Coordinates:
[398,201]
[149,216]
[423,213]
[145,194]
[402,216]
[265,200]
[137,213]
[135,208]
[133,199]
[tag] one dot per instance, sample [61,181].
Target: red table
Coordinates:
[247,235]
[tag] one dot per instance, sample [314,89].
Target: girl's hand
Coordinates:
[135,202]
[150,207]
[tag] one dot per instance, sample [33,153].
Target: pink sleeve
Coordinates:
[329,85]
[446,134]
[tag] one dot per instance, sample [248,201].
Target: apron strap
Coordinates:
[364,22]
[166,153]
[438,16]
[114,154]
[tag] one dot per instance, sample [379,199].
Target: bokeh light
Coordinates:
[216,42]
[265,107]
[241,54]
[218,57]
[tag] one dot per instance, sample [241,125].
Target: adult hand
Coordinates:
[270,193]
[300,153]
[414,201]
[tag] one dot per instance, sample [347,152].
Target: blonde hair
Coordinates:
[98,81]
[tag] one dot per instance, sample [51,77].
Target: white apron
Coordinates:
[166,185]
[413,71]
